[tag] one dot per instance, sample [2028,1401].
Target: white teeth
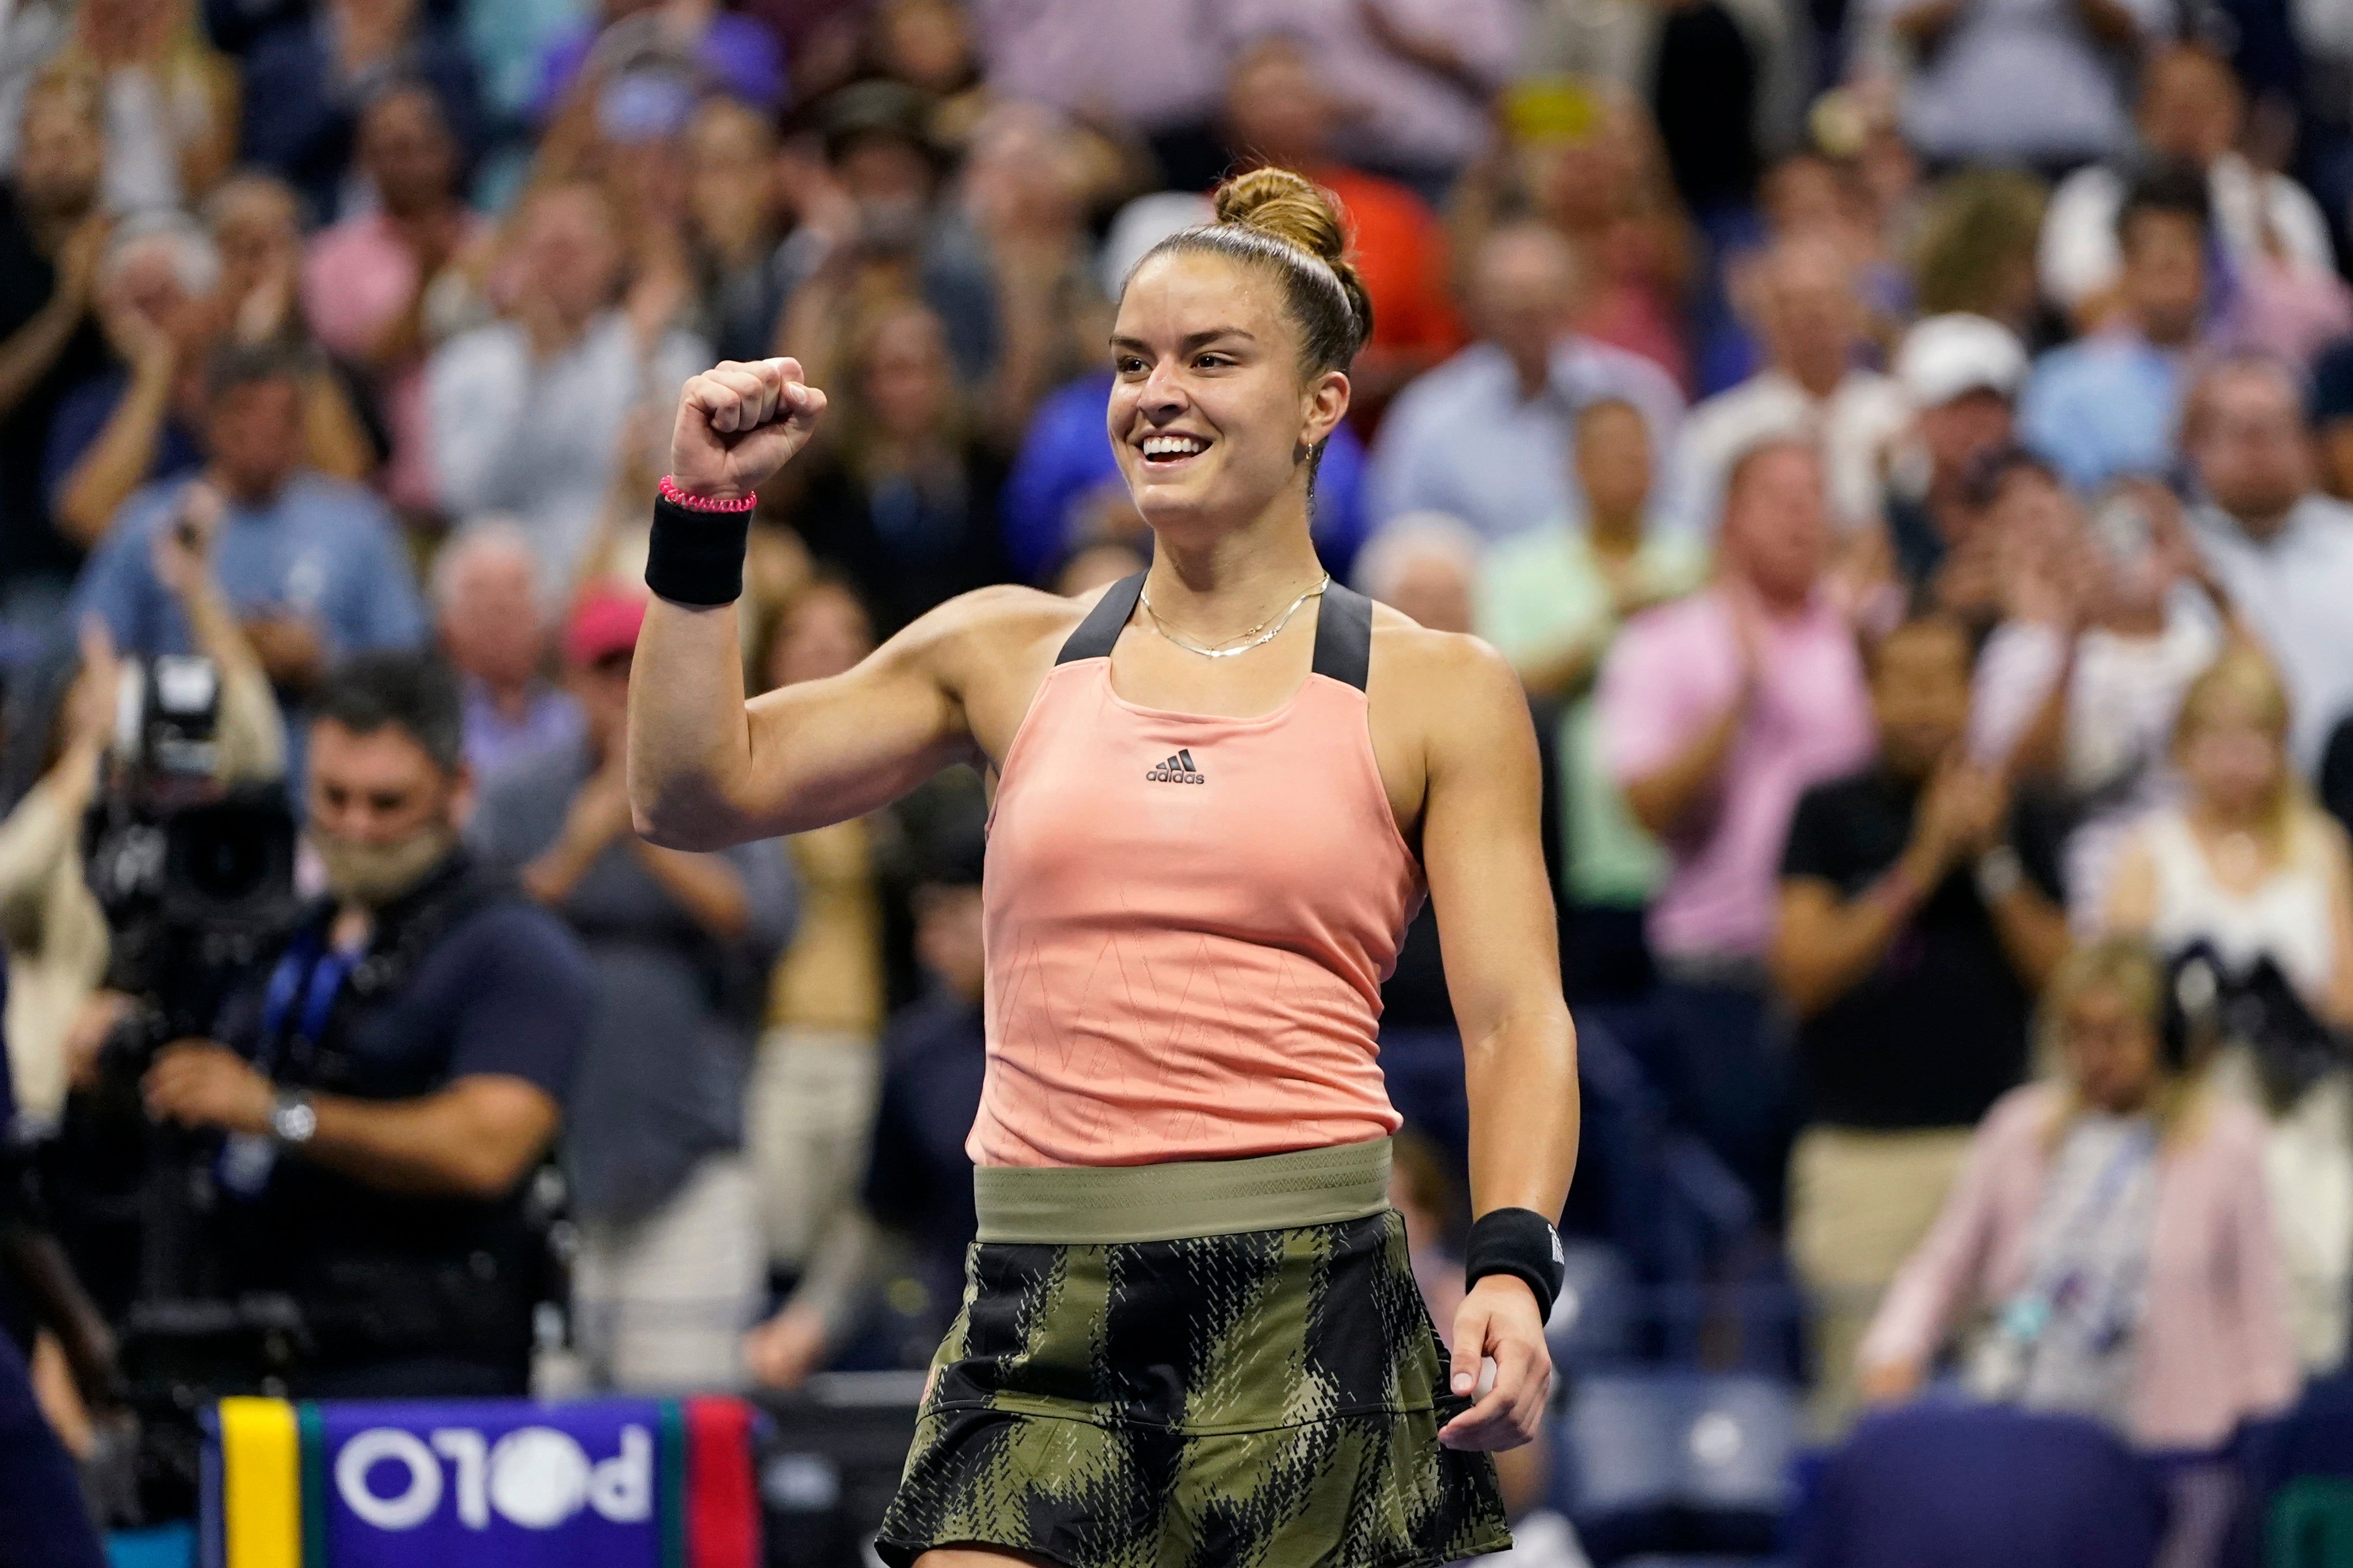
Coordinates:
[1173,446]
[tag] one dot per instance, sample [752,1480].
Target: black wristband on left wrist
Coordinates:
[695,557]
[1520,1243]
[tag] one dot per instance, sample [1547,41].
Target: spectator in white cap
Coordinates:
[1811,324]
[1961,374]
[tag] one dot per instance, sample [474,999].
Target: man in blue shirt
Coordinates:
[311,564]
[2109,402]
[1485,435]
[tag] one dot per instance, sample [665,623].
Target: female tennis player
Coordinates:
[1190,1331]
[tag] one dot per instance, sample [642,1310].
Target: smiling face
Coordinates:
[1211,412]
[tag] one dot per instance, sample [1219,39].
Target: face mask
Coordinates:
[374,874]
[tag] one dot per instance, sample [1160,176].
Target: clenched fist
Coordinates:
[738,423]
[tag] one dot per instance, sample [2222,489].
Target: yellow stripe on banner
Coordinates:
[261,1499]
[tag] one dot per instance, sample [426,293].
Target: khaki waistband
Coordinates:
[1087,1205]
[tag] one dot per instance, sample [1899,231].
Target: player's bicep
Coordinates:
[1483,853]
[825,751]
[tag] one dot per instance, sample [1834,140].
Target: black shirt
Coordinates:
[1938,1031]
[501,988]
[2336,773]
[908,542]
[29,542]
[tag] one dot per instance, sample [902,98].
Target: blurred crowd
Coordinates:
[1904,446]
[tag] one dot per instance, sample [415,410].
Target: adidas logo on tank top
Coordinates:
[1178,769]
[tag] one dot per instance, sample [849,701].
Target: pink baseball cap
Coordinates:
[604,623]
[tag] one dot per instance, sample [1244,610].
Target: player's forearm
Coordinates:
[1521,1075]
[690,739]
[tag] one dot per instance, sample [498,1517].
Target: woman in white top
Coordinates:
[2249,865]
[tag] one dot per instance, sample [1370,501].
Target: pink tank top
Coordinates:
[1188,918]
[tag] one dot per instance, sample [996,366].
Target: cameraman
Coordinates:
[391,1085]
[60,722]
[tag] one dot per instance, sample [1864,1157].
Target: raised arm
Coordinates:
[1482,851]
[706,769]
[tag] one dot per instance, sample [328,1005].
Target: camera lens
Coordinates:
[226,860]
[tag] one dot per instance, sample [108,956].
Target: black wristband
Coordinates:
[696,557]
[1520,1243]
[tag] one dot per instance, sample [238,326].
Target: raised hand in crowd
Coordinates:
[32,350]
[77,260]
[181,553]
[1961,815]
[292,650]
[598,819]
[137,338]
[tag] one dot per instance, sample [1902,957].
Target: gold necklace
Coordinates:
[1265,632]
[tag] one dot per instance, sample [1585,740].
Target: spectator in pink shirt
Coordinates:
[1718,712]
[365,280]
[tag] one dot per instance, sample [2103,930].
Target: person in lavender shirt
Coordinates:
[486,609]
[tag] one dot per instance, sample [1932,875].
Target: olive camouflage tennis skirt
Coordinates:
[1258,1398]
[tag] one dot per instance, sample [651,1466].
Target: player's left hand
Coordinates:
[1497,1321]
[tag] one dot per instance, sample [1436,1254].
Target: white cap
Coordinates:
[1946,356]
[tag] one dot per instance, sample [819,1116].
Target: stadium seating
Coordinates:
[1677,1462]
[1949,1485]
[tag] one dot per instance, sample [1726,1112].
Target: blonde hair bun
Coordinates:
[1287,205]
[1284,225]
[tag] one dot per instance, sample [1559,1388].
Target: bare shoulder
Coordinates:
[990,627]
[1450,679]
